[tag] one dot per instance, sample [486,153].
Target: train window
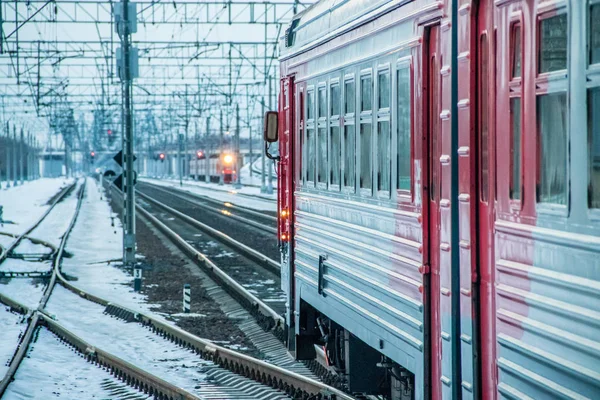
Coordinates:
[310,157]
[384,159]
[334,155]
[310,102]
[383,88]
[515,148]
[334,98]
[365,157]
[322,103]
[516,50]
[322,155]
[553,43]
[403,125]
[366,93]
[483,119]
[349,155]
[349,97]
[552,125]
[594,147]
[594,29]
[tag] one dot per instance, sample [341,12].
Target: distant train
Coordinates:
[224,163]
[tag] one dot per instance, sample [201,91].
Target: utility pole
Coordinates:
[263,186]
[8,149]
[221,178]
[206,152]
[128,145]
[14,147]
[238,155]
[180,159]
[187,123]
[21,158]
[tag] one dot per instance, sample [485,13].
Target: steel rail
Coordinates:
[220,211]
[61,194]
[293,384]
[34,317]
[261,259]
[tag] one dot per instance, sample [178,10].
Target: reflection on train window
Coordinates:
[365,156]
[322,103]
[366,93]
[483,120]
[516,50]
[322,155]
[552,127]
[383,155]
[403,125]
[334,98]
[594,147]
[310,102]
[349,97]
[349,156]
[335,155]
[594,29]
[553,43]
[301,134]
[383,88]
[515,148]
[310,157]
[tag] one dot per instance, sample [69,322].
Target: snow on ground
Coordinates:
[96,249]
[130,341]
[225,193]
[27,291]
[18,265]
[28,247]
[54,226]
[24,204]
[11,328]
[53,370]
[6,240]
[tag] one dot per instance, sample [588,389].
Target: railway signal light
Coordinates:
[92,155]
[161,157]
[199,154]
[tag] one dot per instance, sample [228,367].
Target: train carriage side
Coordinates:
[547,227]
[361,270]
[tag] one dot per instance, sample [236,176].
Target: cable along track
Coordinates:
[294,385]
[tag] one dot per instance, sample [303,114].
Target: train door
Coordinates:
[285,194]
[434,139]
[484,371]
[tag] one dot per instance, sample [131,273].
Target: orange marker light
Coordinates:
[284,237]
[284,213]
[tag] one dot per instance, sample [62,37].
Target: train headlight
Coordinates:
[228,159]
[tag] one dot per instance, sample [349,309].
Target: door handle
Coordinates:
[320,282]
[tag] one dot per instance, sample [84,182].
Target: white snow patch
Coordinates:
[28,247]
[11,327]
[24,290]
[18,265]
[53,370]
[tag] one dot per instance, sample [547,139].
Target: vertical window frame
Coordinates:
[310,124]
[365,117]
[300,104]
[516,91]
[592,82]
[335,120]
[348,119]
[405,196]
[547,83]
[320,125]
[383,114]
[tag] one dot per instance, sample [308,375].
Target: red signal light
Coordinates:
[92,154]
[109,132]
[161,156]
[199,154]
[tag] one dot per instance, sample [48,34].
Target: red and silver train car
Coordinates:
[440,195]
[216,165]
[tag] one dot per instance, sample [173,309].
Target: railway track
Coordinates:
[224,361]
[240,277]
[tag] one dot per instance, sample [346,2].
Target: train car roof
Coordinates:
[328,18]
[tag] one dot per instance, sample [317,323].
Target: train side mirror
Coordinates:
[271,125]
